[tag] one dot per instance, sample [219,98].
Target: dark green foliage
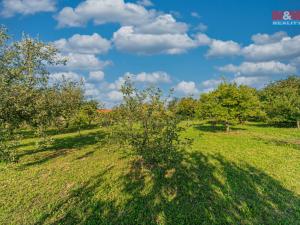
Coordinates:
[281,101]
[250,107]
[90,109]
[229,104]
[186,107]
[69,100]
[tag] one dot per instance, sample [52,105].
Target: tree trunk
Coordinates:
[298,124]
[79,131]
[214,124]
[227,127]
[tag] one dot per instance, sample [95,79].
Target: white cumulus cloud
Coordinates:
[223,48]
[186,87]
[76,61]
[163,24]
[287,47]
[115,95]
[259,68]
[91,91]
[153,78]
[96,75]
[265,47]
[261,39]
[201,27]
[202,39]
[257,81]
[195,14]
[26,7]
[142,31]
[210,85]
[84,44]
[104,11]
[145,3]
[59,76]
[127,40]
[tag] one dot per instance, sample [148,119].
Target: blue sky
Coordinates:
[187,45]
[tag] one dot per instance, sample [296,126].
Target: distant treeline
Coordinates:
[277,103]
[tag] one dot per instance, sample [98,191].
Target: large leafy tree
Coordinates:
[229,104]
[26,95]
[281,100]
[24,79]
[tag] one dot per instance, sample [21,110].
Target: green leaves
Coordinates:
[229,104]
[186,107]
[144,121]
[281,100]
[26,95]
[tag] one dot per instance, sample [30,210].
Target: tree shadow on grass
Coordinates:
[29,133]
[86,155]
[78,141]
[62,146]
[214,129]
[81,202]
[281,143]
[187,188]
[275,125]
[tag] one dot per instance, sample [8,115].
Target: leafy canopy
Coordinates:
[229,104]
[281,100]
[144,121]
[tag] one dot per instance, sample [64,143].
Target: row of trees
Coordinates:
[147,120]
[229,104]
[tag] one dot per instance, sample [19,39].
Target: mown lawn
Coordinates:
[249,176]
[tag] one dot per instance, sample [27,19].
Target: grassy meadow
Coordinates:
[248,176]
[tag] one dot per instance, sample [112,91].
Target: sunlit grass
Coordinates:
[248,176]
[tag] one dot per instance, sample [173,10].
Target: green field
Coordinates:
[248,176]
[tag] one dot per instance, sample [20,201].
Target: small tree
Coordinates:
[281,101]
[186,107]
[71,99]
[90,109]
[145,123]
[229,104]
[86,113]
[80,120]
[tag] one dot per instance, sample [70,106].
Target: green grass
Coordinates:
[249,176]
